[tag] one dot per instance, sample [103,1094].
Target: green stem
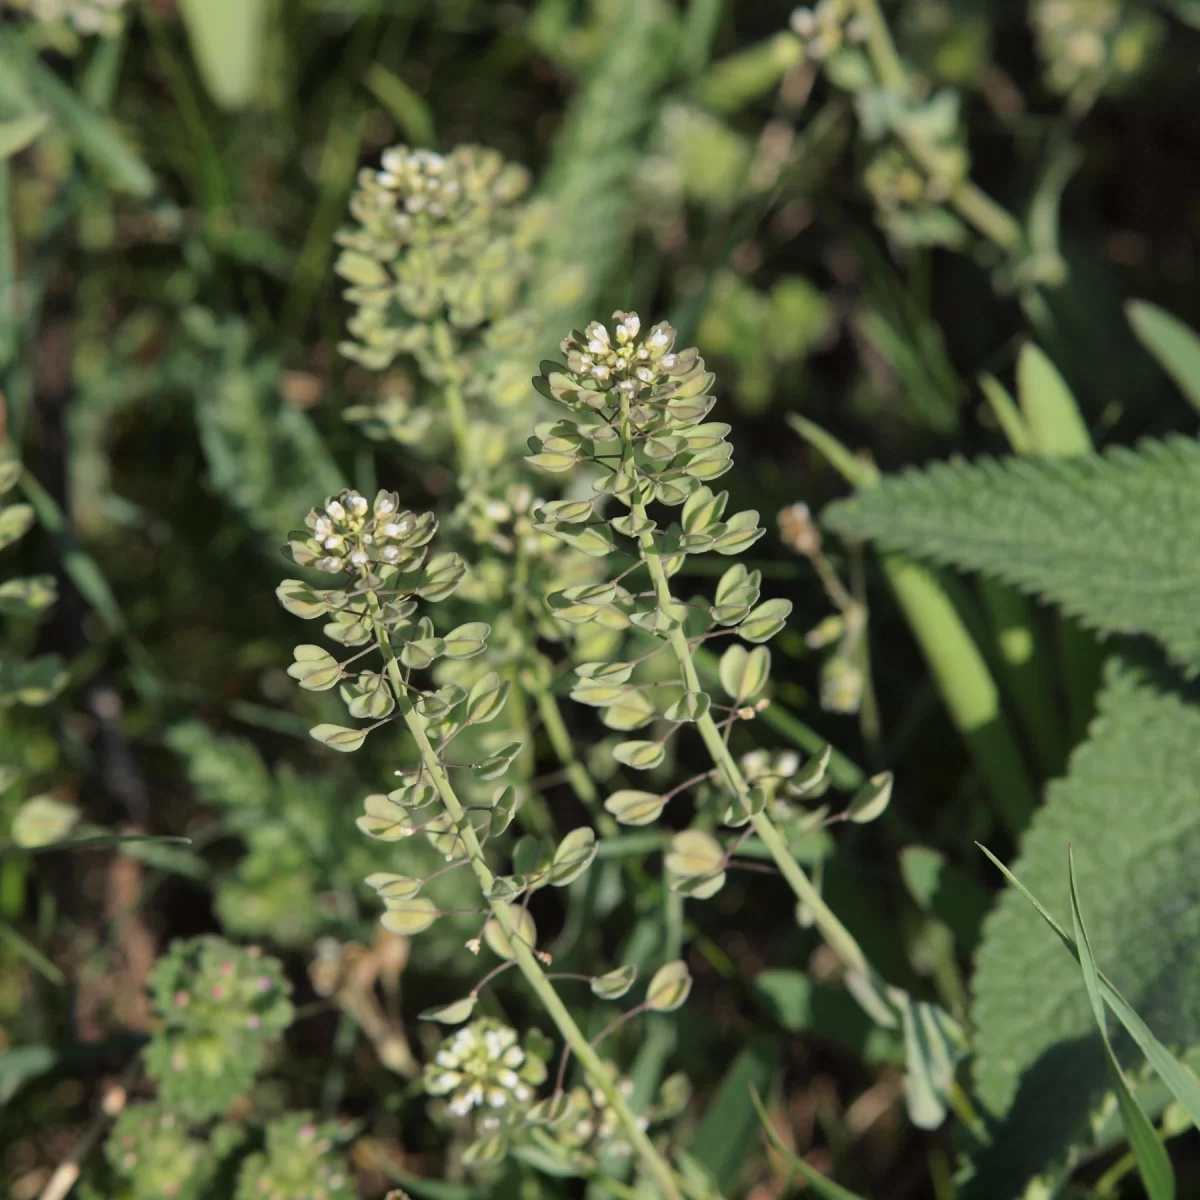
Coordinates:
[526,960]
[994,222]
[839,938]
[880,46]
[456,407]
[577,774]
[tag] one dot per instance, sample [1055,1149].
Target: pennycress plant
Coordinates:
[380,555]
[638,419]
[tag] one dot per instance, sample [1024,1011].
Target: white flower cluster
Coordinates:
[619,360]
[478,1067]
[88,17]
[827,27]
[416,191]
[599,1128]
[351,533]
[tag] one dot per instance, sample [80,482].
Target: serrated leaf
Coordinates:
[451,1014]
[338,737]
[640,756]
[612,985]
[871,800]
[409,916]
[632,807]
[1100,535]
[1128,805]
[669,987]
[573,856]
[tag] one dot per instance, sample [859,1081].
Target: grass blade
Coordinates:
[1173,344]
[228,39]
[1152,1162]
[823,1186]
[1181,1083]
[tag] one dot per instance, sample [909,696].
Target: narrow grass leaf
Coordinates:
[823,1186]
[1181,1083]
[1153,1165]
[1173,344]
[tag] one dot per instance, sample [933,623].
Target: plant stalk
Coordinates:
[839,938]
[526,961]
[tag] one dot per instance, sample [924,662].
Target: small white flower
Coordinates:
[334,542]
[359,558]
[803,22]
[390,554]
[335,510]
[323,527]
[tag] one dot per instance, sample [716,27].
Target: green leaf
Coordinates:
[1152,1162]
[496,764]
[744,672]
[823,1186]
[400,887]
[632,807]
[1100,535]
[1128,805]
[694,852]
[301,600]
[20,132]
[1180,1081]
[765,621]
[338,737]
[486,698]
[612,985]
[871,799]
[29,596]
[10,472]
[422,652]
[639,756]
[1176,347]
[1051,413]
[669,987]
[524,930]
[228,41]
[633,710]
[467,640]
[21,1064]
[367,696]
[92,131]
[42,820]
[451,1014]
[725,1136]
[15,522]
[409,916]
[315,669]
[573,856]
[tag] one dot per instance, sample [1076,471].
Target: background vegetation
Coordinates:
[940,254]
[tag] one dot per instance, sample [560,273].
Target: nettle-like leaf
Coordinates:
[1111,538]
[1128,807]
